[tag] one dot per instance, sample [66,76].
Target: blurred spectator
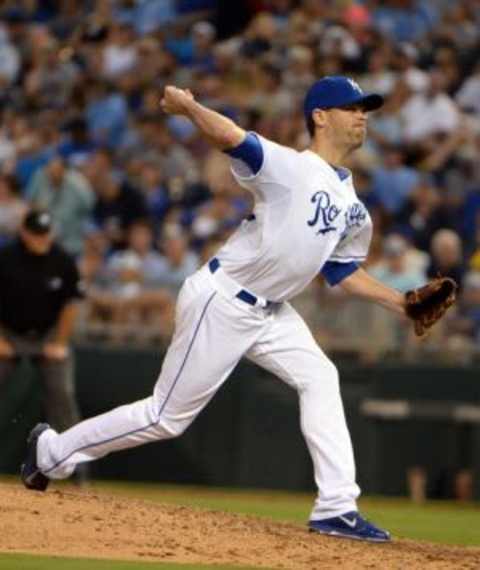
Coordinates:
[259,36]
[460,25]
[138,255]
[385,126]
[7,148]
[12,208]
[152,62]
[338,42]
[393,182]
[177,262]
[120,53]
[78,147]
[379,78]
[411,76]
[474,260]
[158,146]
[299,73]
[31,148]
[155,191]
[405,21]
[92,263]
[447,63]
[68,196]
[393,268]
[429,113]
[9,60]
[397,267]
[18,29]
[117,206]
[106,114]
[446,256]
[196,50]
[147,15]
[131,291]
[52,76]
[466,321]
[98,166]
[468,96]
[424,214]
[270,97]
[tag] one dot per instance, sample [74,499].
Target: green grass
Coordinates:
[436,521]
[24,562]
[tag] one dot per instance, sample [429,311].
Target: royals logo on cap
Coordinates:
[355,85]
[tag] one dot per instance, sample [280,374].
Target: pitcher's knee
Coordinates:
[170,429]
[332,373]
[331,377]
[325,376]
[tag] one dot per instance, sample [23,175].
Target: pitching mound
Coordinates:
[86,524]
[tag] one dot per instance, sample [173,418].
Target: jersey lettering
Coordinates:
[355,215]
[325,213]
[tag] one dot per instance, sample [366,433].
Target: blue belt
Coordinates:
[243,294]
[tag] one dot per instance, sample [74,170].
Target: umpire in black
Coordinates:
[39,291]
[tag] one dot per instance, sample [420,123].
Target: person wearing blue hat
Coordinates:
[306,219]
[336,92]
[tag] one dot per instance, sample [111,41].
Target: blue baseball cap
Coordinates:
[336,91]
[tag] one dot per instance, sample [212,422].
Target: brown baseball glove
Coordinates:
[426,305]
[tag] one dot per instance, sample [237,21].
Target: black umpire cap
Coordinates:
[38,222]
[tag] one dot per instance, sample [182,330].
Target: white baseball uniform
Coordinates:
[306,214]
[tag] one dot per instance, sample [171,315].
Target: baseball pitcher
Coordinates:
[307,219]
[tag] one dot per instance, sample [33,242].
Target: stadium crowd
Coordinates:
[141,201]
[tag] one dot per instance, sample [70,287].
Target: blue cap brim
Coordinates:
[369,102]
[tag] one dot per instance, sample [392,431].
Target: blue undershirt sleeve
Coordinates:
[334,272]
[250,151]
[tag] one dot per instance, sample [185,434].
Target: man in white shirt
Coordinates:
[468,96]
[429,113]
[307,218]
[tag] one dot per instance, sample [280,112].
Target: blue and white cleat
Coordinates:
[350,525]
[31,475]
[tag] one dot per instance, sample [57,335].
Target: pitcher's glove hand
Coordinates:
[426,305]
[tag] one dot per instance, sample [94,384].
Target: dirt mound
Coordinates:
[81,523]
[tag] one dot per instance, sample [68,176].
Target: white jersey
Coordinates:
[304,216]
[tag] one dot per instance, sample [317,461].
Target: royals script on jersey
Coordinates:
[304,216]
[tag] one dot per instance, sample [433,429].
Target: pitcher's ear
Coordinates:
[319,117]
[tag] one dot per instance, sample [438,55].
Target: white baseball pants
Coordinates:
[214,329]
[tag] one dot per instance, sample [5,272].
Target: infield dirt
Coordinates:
[91,524]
